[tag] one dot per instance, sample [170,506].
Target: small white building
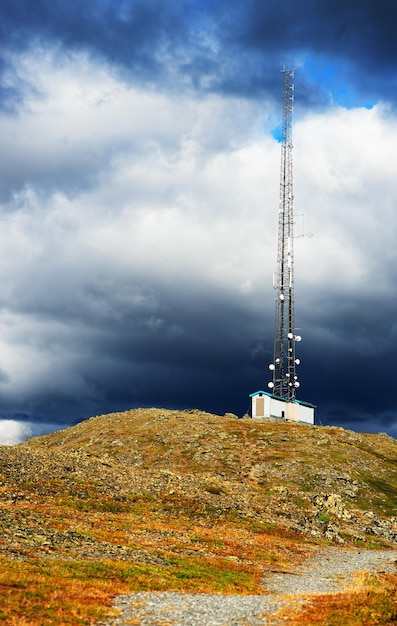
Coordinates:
[265,406]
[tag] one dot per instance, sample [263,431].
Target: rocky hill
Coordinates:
[186,500]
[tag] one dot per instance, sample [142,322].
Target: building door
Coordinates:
[260,407]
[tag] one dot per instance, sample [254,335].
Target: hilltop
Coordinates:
[183,500]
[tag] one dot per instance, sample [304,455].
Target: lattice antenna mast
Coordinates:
[285,381]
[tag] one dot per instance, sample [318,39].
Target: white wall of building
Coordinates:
[306,414]
[263,406]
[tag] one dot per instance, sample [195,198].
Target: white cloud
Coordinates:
[345,185]
[13,432]
[168,179]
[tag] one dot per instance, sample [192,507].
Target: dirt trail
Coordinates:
[329,571]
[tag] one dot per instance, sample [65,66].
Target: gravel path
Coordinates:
[327,572]
[330,570]
[179,609]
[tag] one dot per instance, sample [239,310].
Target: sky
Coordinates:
[139,190]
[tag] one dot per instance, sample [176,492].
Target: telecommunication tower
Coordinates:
[285,380]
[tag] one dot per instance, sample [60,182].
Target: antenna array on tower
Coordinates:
[285,381]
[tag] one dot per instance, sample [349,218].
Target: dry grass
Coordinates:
[54,584]
[48,592]
[217,559]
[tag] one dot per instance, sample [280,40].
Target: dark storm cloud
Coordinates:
[228,46]
[186,354]
[348,359]
[173,348]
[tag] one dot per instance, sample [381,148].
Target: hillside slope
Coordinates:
[292,475]
[185,500]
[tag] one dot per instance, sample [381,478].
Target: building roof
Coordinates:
[270,395]
[263,393]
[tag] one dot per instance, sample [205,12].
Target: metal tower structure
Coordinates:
[285,381]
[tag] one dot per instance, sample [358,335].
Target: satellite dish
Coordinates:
[297,384]
[270,385]
[287,374]
[298,338]
[277,360]
[281,296]
[297,361]
[271,367]
[290,336]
